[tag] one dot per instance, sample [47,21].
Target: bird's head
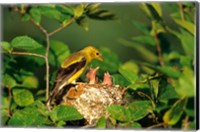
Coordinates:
[93,53]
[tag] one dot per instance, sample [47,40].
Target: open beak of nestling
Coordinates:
[100,58]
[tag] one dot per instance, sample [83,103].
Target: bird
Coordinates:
[107,79]
[72,68]
[91,75]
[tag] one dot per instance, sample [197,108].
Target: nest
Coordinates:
[91,100]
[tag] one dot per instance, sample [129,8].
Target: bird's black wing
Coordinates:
[64,74]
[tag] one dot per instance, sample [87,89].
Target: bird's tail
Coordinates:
[53,94]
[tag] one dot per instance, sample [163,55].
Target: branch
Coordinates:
[46,54]
[9,100]
[47,66]
[160,57]
[39,26]
[181,11]
[27,53]
[157,125]
[61,27]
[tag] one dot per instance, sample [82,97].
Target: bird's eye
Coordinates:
[97,53]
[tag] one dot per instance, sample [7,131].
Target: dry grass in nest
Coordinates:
[91,100]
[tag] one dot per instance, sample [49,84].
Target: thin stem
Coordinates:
[27,53]
[186,123]
[181,11]
[39,26]
[9,100]
[158,48]
[62,27]
[46,55]
[157,125]
[47,66]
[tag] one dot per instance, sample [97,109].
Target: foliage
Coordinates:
[160,88]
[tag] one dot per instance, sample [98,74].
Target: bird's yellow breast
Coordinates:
[75,76]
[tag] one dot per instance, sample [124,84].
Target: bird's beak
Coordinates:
[100,58]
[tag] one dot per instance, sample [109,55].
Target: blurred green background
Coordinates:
[100,33]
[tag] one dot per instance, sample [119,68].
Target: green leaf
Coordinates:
[167,91]
[129,70]
[50,12]
[173,55]
[186,24]
[6,46]
[83,22]
[9,81]
[59,51]
[25,43]
[64,9]
[35,14]
[136,86]
[141,26]
[65,113]
[190,112]
[23,97]
[157,27]
[26,17]
[155,87]
[131,66]
[40,61]
[119,112]
[120,80]
[152,10]
[66,13]
[173,115]
[184,86]
[136,125]
[4,110]
[30,82]
[157,7]
[187,41]
[79,10]
[130,76]
[101,15]
[101,123]
[186,61]
[167,70]
[145,40]
[139,109]
[40,107]
[60,123]
[28,117]
[94,6]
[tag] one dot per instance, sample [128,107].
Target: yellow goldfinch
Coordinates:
[72,68]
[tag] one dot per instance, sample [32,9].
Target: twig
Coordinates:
[27,53]
[158,48]
[141,93]
[186,123]
[61,27]
[9,100]
[39,26]
[181,11]
[47,66]
[157,125]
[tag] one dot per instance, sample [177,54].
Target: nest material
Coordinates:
[91,100]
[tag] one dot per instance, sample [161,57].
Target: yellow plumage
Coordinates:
[72,68]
